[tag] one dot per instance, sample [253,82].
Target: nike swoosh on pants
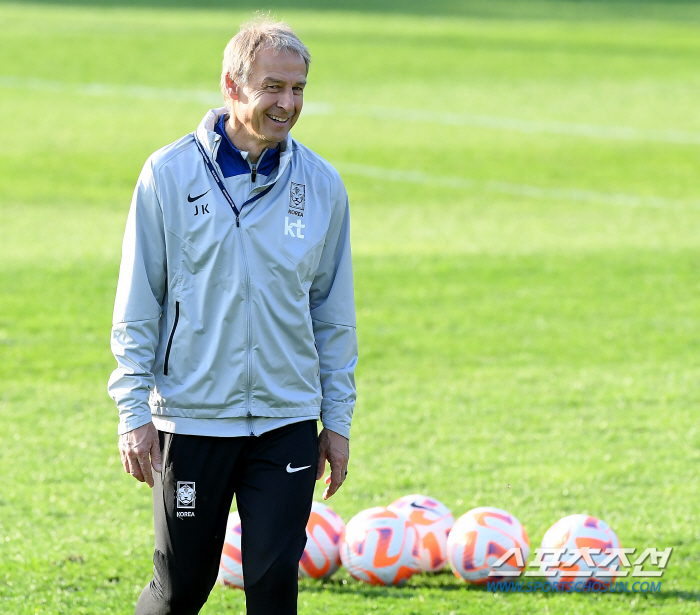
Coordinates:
[290,469]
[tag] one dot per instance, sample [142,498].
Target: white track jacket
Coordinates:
[222,315]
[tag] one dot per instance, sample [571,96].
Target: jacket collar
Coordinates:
[210,140]
[235,162]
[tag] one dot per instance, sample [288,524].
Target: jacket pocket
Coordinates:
[170,339]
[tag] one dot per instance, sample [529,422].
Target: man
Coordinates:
[234,331]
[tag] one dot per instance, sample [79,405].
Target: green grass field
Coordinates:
[524,188]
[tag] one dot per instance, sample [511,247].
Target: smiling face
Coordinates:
[264,111]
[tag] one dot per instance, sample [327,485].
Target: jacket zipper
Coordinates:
[247,310]
[170,340]
[249,361]
[254,167]
[237,213]
[249,423]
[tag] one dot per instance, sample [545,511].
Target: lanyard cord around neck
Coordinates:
[217,179]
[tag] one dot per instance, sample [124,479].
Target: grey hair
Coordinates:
[258,35]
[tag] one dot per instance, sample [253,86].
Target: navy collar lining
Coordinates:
[232,163]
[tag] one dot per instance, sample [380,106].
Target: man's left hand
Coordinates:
[336,449]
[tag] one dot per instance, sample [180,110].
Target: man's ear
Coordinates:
[231,88]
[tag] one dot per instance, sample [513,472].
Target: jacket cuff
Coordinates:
[133,421]
[337,417]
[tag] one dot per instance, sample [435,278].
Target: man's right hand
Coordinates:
[139,450]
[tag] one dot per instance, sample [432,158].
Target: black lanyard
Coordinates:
[217,179]
[222,187]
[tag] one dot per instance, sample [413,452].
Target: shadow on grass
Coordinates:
[675,594]
[503,9]
[445,581]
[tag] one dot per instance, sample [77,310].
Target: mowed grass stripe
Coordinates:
[544,126]
[417,176]
[504,187]
[537,310]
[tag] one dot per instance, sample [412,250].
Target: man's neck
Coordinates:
[242,140]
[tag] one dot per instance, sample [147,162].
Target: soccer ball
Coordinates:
[324,533]
[380,547]
[231,565]
[480,538]
[581,532]
[433,520]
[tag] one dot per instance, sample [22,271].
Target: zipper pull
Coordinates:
[253,173]
[237,222]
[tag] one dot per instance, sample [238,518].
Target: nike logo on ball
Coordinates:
[290,469]
[414,505]
[192,199]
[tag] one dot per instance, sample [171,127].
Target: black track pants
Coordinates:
[191,502]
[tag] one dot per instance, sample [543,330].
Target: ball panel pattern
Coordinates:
[324,533]
[480,538]
[380,547]
[231,564]
[433,521]
[581,532]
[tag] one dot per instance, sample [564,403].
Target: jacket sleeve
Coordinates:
[332,303]
[138,305]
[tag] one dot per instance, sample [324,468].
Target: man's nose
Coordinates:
[286,100]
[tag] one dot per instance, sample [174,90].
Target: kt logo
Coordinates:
[290,228]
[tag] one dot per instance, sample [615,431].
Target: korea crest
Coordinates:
[185,494]
[297,199]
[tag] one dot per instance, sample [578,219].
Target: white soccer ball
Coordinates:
[380,547]
[585,535]
[231,565]
[480,538]
[324,533]
[433,520]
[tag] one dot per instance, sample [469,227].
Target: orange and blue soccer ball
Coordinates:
[231,565]
[480,538]
[324,534]
[588,542]
[381,547]
[433,521]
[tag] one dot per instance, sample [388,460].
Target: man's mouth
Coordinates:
[278,119]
